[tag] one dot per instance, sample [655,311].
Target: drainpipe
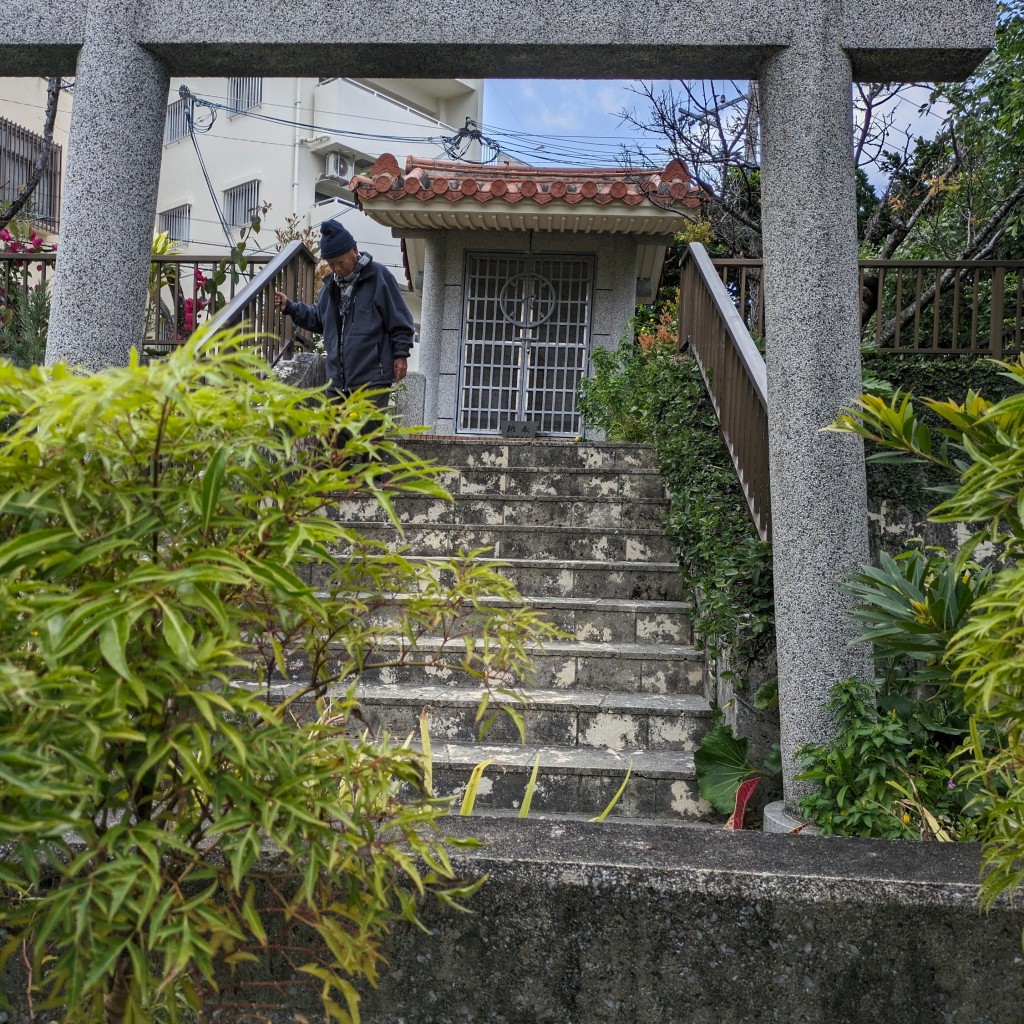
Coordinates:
[295,147]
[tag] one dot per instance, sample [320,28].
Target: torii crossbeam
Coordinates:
[805,55]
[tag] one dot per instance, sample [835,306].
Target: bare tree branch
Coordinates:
[714,129]
[981,246]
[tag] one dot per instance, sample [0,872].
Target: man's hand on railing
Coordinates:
[280,300]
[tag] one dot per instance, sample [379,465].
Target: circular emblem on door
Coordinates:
[527,300]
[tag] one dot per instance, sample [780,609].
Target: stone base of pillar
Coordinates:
[409,400]
[779,821]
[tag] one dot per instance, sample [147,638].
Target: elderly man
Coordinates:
[366,325]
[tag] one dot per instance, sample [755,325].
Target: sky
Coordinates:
[582,124]
[582,115]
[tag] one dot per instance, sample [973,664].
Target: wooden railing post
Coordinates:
[995,332]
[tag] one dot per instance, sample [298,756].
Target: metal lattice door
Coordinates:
[525,340]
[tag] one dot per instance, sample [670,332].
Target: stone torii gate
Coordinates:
[804,53]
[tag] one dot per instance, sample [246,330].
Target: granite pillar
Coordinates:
[110,192]
[432,320]
[818,489]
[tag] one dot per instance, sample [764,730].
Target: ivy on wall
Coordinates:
[648,392]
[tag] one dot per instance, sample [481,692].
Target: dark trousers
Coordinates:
[380,400]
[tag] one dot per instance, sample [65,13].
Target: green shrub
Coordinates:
[890,770]
[875,780]
[656,395]
[981,445]
[24,321]
[917,486]
[184,785]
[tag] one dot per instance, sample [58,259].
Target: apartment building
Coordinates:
[234,144]
[295,144]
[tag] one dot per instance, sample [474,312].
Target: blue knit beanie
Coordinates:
[335,240]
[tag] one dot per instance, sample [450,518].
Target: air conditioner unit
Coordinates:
[338,165]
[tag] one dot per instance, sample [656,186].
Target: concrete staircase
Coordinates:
[579,528]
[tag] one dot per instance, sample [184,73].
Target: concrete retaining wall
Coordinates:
[658,924]
[588,924]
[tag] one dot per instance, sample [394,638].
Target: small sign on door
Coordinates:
[518,428]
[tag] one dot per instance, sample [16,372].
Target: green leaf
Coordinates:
[721,763]
[179,636]
[428,754]
[213,478]
[617,797]
[531,786]
[469,798]
[31,547]
[113,642]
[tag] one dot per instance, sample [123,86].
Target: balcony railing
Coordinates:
[926,307]
[18,151]
[183,295]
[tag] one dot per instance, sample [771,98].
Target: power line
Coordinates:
[215,106]
[495,142]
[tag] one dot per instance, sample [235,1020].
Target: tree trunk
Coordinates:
[115,1004]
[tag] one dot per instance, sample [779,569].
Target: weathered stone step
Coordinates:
[509,510]
[502,454]
[504,542]
[662,783]
[575,578]
[555,482]
[561,665]
[605,620]
[497,814]
[574,718]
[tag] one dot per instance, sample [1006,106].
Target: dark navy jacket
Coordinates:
[378,329]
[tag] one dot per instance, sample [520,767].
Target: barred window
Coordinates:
[19,149]
[176,125]
[244,93]
[178,223]
[241,203]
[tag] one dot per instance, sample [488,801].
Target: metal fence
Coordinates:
[184,293]
[21,274]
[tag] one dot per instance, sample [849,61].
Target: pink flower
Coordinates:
[14,246]
[5,235]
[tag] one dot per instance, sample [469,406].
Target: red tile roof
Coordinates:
[428,181]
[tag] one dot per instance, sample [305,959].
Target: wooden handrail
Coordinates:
[293,271]
[734,374]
